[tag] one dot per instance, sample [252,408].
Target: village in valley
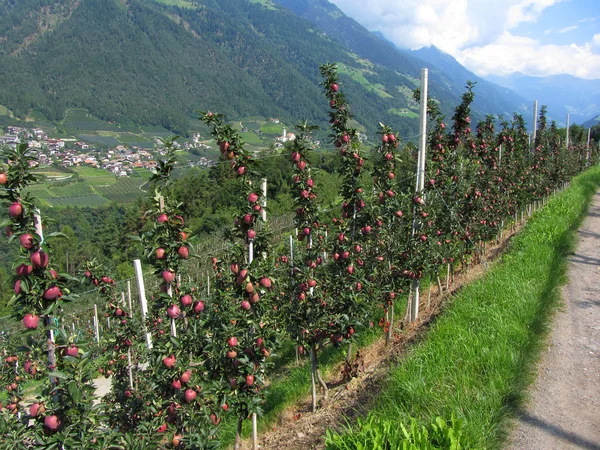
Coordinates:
[120,160]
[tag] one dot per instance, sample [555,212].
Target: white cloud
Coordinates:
[515,53]
[477,33]
[567,29]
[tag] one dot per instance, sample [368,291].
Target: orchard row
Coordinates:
[199,356]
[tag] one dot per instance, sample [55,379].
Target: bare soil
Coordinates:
[563,411]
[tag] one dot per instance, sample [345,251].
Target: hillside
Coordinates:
[149,62]
[447,78]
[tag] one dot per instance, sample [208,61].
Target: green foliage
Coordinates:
[493,333]
[377,433]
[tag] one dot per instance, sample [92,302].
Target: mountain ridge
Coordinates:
[151,63]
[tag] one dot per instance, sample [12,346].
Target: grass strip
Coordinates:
[479,357]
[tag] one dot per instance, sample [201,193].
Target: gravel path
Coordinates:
[563,411]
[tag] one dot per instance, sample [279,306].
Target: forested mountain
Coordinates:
[148,62]
[447,77]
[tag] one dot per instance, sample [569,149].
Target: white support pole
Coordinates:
[500,156]
[137,264]
[254,433]
[129,366]
[292,258]
[96,324]
[535,118]
[587,153]
[414,307]
[129,297]
[568,126]
[263,186]
[254,426]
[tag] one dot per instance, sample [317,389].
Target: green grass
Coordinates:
[478,358]
[37,116]
[403,113]
[272,128]
[181,3]
[251,138]
[266,3]
[4,111]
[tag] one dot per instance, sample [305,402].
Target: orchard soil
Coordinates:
[297,428]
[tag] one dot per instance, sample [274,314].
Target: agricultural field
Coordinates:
[272,129]
[87,186]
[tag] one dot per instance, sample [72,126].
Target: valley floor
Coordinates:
[563,410]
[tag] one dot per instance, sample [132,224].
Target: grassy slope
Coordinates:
[479,357]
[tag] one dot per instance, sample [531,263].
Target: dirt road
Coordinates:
[563,411]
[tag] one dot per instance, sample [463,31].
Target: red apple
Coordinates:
[162,428]
[231,354]
[24,270]
[52,293]
[183,252]
[176,384]
[186,300]
[249,380]
[18,287]
[232,341]
[39,259]
[198,307]
[169,361]
[3,178]
[51,422]
[31,321]
[251,234]
[15,210]
[265,282]
[37,408]
[253,198]
[186,376]
[334,87]
[190,395]
[168,276]
[163,218]
[72,351]
[173,311]
[160,253]
[246,305]
[26,240]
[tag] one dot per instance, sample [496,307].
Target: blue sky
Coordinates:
[535,37]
